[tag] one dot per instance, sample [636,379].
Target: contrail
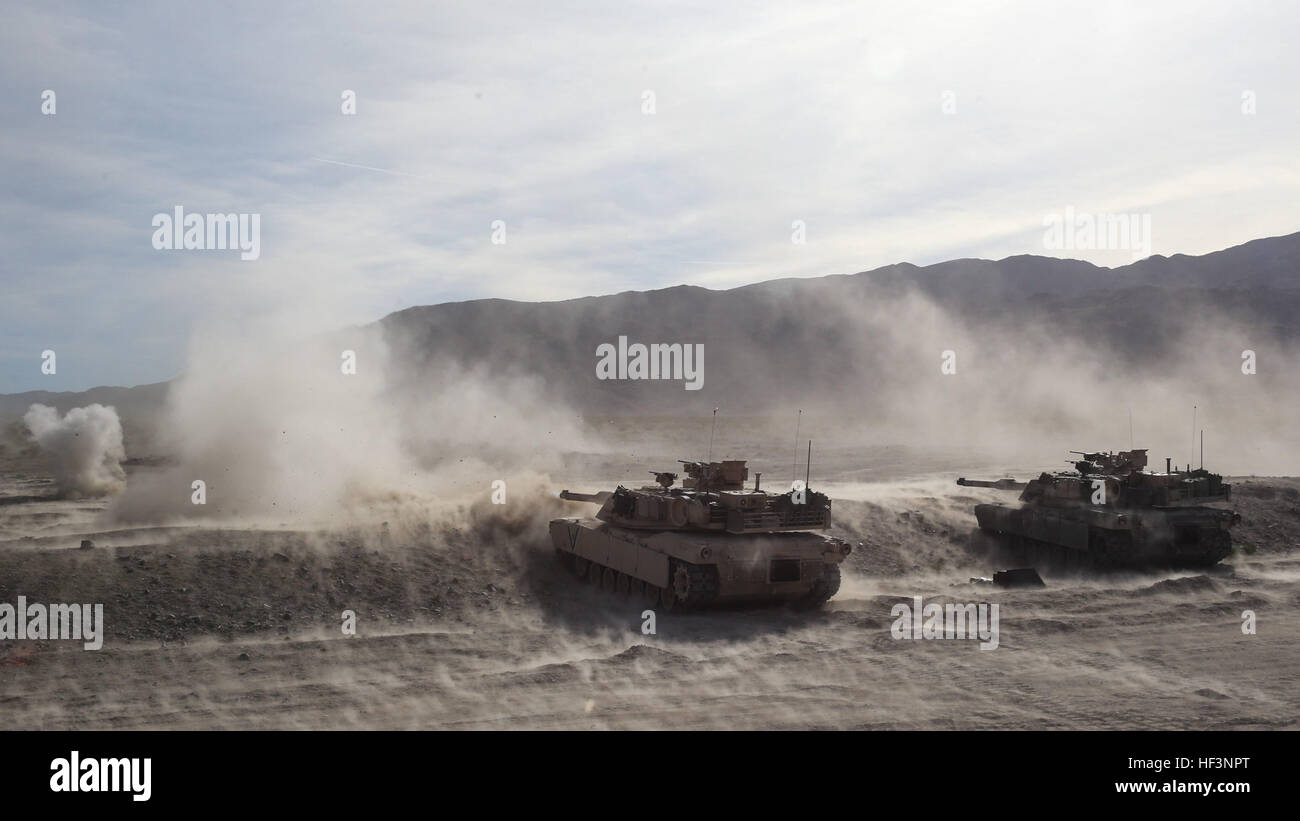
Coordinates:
[372,168]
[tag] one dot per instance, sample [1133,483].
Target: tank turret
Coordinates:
[713,497]
[1115,512]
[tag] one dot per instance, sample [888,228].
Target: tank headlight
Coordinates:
[846,548]
[705,552]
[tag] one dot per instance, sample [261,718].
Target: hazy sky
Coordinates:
[893,133]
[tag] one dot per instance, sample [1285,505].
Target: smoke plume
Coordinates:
[84,448]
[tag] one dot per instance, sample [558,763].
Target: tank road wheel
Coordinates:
[579,566]
[681,583]
[609,580]
[691,585]
[594,572]
[826,586]
[668,599]
[623,584]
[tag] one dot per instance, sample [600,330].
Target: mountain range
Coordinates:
[838,337]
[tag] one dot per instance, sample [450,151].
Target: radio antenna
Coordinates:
[808,474]
[794,463]
[711,430]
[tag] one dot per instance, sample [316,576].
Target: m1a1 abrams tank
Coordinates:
[710,540]
[1111,511]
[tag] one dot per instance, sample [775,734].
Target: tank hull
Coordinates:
[1165,536]
[687,569]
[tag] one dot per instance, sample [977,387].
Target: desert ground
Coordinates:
[465,620]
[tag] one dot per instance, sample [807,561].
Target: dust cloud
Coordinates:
[1026,386]
[84,448]
[329,428]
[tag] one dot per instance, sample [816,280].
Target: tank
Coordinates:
[1112,512]
[708,541]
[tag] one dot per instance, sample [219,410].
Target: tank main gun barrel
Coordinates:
[1000,484]
[573,496]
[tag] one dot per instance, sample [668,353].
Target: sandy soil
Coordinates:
[465,622]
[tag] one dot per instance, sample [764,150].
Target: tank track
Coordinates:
[1108,550]
[1099,556]
[1210,552]
[1111,549]
[690,585]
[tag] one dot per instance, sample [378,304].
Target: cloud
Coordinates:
[829,113]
